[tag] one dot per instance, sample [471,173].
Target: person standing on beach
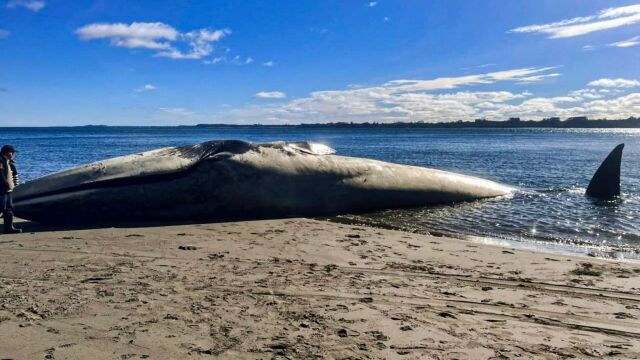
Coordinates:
[8,181]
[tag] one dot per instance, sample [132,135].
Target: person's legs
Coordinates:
[3,204]
[7,206]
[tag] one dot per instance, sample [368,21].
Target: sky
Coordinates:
[121,62]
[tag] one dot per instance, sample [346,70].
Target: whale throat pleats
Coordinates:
[605,184]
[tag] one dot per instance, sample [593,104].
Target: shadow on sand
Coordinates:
[34,227]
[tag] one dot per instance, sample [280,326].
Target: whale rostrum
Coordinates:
[230,179]
[605,183]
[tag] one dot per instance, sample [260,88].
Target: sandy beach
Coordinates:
[303,289]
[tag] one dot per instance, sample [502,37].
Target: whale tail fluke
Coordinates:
[605,184]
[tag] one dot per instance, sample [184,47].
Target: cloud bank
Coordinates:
[430,101]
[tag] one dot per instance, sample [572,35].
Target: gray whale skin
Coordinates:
[230,179]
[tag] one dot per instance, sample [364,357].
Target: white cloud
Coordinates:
[199,42]
[481,66]
[4,33]
[145,88]
[615,83]
[236,60]
[627,43]
[536,78]
[33,5]
[606,19]
[215,60]
[586,94]
[268,63]
[162,38]
[320,31]
[453,82]
[137,35]
[176,111]
[270,95]
[372,3]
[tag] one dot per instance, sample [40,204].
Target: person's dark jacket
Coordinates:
[5,165]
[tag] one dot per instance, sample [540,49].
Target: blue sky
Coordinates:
[187,62]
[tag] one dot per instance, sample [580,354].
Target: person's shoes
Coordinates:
[8,224]
[12,231]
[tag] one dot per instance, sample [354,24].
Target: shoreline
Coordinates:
[585,249]
[304,288]
[589,251]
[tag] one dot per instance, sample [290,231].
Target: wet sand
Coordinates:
[304,289]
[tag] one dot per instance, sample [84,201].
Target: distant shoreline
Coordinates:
[580,122]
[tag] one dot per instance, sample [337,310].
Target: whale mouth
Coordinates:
[111,183]
[162,165]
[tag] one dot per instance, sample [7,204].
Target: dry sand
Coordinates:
[304,289]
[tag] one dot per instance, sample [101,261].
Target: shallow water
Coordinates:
[551,167]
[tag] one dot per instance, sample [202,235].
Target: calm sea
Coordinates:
[551,167]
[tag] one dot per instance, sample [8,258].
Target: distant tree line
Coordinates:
[514,122]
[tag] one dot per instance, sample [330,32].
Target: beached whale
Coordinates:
[222,180]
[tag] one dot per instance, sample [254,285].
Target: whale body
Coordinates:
[231,179]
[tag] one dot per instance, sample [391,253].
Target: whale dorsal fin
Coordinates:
[311,148]
[605,183]
[304,147]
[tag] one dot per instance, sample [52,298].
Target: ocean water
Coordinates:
[550,167]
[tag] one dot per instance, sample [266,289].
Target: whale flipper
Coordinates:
[605,183]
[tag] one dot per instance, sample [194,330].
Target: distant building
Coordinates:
[551,122]
[578,119]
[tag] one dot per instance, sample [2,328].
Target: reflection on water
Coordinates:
[551,167]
